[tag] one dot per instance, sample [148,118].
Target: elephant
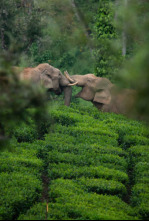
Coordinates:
[49,77]
[105,95]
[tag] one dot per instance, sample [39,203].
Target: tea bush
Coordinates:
[89,135]
[18,163]
[68,171]
[140,191]
[141,172]
[18,192]
[25,133]
[102,186]
[87,159]
[20,179]
[37,212]
[92,164]
[139,154]
[133,140]
[78,204]
[140,199]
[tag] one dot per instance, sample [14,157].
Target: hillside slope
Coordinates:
[91,166]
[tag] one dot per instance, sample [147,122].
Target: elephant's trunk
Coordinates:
[67,95]
[64,83]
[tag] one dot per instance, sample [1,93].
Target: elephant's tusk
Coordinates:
[68,77]
[73,84]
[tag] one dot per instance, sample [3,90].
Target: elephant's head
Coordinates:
[55,81]
[104,95]
[94,89]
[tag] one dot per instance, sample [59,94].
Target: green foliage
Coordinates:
[140,191]
[88,165]
[139,153]
[135,71]
[87,10]
[107,60]
[133,140]
[25,162]
[25,133]
[78,204]
[20,179]
[140,197]
[19,22]
[141,172]
[63,43]
[18,192]
[96,162]
[102,186]
[37,212]
[68,171]
[16,97]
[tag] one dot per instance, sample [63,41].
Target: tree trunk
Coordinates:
[79,17]
[124,35]
[2,39]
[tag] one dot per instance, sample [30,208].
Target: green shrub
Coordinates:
[87,129]
[64,117]
[79,211]
[140,199]
[139,154]
[141,172]
[108,150]
[87,159]
[102,186]
[76,204]
[37,212]
[59,141]
[68,171]
[89,135]
[25,133]
[19,163]
[28,150]
[133,140]
[18,193]
[140,191]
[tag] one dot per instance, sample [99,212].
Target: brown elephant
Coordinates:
[103,94]
[51,78]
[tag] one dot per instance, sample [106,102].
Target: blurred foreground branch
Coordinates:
[15,97]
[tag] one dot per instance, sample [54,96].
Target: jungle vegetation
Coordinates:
[73,163]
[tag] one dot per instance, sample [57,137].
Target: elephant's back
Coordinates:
[30,74]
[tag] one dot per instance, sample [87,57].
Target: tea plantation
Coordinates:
[89,166]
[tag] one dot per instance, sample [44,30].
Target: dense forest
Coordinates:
[73,162]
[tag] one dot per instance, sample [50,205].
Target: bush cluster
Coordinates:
[20,180]
[88,163]
[140,191]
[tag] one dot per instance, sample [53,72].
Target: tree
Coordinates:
[20,21]
[136,69]
[107,59]
[124,35]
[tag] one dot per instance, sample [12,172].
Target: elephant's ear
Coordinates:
[102,96]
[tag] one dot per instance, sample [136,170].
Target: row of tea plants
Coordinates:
[95,167]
